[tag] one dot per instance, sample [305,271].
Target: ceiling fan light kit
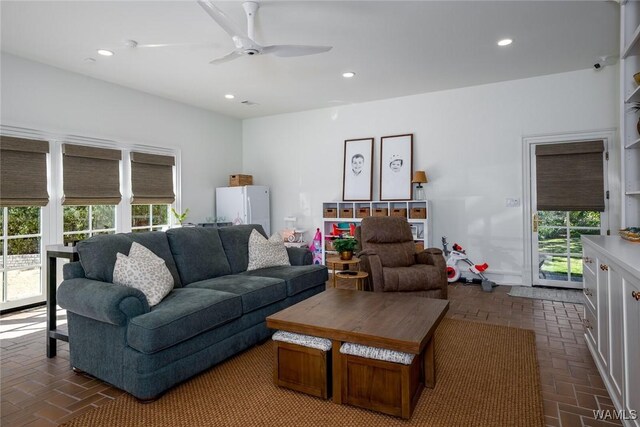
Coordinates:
[245,44]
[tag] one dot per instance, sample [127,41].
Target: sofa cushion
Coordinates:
[255,292]
[198,253]
[265,252]
[235,241]
[297,277]
[98,253]
[145,271]
[183,314]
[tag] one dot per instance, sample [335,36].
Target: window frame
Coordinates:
[51,215]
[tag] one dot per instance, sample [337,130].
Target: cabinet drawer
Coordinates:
[591,328]
[588,260]
[590,288]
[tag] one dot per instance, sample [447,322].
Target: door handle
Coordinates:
[535,220]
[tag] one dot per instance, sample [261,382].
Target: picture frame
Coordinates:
[396,167]
[357,172]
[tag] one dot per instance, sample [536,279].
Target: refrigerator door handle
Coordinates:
[249,220]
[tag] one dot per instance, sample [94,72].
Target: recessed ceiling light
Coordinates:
[505,42]
[105,52]
[348,74]
[229,96]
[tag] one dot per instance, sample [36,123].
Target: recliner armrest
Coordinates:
[435,257]
[370,262]
[102,301]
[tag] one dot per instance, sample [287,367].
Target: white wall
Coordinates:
[41,97]
[469,141]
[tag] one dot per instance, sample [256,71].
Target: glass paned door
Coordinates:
[21,256]
[558,248]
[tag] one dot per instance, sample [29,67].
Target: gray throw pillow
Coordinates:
[266,253]
[145,271]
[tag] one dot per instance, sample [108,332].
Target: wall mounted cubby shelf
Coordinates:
[344,214]
[630,93]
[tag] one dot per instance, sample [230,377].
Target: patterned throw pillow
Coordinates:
[266,253]
[145,271]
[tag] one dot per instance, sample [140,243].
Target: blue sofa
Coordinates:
[215,310]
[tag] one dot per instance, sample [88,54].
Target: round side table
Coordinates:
[359,277]
[336,260]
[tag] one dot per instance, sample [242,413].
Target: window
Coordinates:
[81,222]
[21,249]
[149,217]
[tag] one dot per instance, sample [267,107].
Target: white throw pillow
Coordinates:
[145,271]
[266,253]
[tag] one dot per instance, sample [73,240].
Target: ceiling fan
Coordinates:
[245,44]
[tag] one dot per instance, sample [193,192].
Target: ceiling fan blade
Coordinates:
[227,25]
[228,57]
[290,50]
[154,45]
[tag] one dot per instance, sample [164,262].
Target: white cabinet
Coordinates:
[612,318]
[630,93]
[339,217]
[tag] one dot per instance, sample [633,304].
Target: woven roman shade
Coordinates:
[570,176]
[152,179]
[91,176]
[23,172]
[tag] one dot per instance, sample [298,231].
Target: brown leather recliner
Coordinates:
[388,254]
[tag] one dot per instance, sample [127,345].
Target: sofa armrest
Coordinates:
[72,270]
[102,301]
[300,256]
[370,263]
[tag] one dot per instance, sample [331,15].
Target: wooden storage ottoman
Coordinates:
[301,363]
[380,380]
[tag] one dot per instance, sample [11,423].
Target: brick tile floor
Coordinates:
[36,391]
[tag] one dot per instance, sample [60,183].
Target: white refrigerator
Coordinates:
[244,205]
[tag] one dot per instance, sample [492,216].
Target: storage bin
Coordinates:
[418,213]
[380,212]
[330,212]
[240,180]
[419,247]
[400,212]
[363,212]
[380,385]
[346,213]
[301,363]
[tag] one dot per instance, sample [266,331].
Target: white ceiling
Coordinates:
[396,48]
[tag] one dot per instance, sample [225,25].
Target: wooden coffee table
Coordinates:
[387,320]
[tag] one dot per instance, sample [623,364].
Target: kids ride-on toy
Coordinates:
[454,273]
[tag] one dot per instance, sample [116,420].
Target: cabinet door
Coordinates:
[602,311]
[616,369]
[631,327]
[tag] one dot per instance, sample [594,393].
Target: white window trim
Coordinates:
[52,218]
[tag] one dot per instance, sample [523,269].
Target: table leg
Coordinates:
[336,366]
[51,306]
[430,364]
[334,275]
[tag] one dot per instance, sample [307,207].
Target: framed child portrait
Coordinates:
[396,167]
[357,169]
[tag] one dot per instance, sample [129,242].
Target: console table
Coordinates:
[53,253]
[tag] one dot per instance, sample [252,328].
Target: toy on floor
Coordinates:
[454,273]
[316,247]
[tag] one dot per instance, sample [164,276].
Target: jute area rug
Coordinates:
[486,375]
